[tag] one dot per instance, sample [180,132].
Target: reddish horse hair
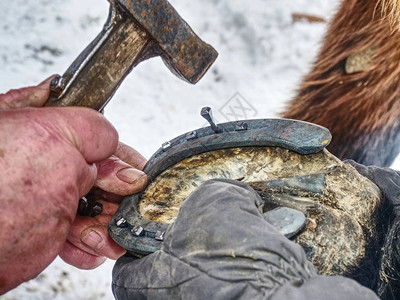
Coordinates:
[360,106]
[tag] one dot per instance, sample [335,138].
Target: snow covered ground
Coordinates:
[262,56]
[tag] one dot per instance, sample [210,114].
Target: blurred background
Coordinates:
[265,47]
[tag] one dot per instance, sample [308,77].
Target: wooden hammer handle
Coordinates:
[95,75]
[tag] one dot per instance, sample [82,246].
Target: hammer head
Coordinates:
[183,51]
[135,31]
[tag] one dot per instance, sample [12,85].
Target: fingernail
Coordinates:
[132,175]
[93,240]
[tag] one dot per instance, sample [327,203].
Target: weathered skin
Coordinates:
[339,221]
[49,158]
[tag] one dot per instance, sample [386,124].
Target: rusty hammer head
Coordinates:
[182,50]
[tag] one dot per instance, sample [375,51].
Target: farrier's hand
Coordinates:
[46,158]
[47,162]
[88,243]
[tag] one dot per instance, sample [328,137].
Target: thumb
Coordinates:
[33,96]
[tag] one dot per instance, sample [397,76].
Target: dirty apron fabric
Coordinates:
[220,247]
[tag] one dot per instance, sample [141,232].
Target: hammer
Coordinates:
[135,30]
